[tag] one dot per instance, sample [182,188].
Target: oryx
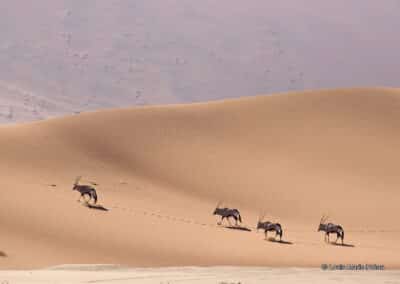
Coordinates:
[85,190]
[228,213]
[268,226]
[330,228]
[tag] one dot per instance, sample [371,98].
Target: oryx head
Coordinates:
[76,183]
[217,207]
[322,222]
[260,221]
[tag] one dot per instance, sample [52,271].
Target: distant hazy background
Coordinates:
[64,56]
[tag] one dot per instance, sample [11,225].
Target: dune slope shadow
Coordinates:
[95,207]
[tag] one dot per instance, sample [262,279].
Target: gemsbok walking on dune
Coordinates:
[85,190]
[330,228]
[227,213]
[268,226]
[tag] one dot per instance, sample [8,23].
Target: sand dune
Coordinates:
[161,170]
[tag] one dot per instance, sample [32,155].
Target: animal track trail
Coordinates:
[175,219]
[169,218]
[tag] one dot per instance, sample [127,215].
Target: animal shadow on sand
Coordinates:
[95,206]
[273,240]
[239,228]
[3,254]
[342,245]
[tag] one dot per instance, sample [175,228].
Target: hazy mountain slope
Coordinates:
[59,57]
